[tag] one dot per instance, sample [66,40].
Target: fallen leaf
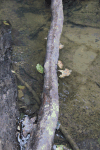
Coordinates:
[6,23]
[21,87]
[12,71]
[60,64]
[20,94]
[61,46]
[39,68]
[65,73]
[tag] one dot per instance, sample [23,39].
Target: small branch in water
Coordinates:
[30,89]
[68,138]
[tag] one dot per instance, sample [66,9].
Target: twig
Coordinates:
[68,138]
[30,89]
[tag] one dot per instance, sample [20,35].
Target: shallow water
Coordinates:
[79,94]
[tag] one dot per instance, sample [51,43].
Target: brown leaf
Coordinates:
[61,46]
[60,64]
[65,72]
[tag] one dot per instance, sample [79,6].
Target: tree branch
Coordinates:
[48,114]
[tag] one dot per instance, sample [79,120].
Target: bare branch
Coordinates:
[48,114]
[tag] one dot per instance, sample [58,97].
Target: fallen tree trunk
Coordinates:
[48,115]
[8,92]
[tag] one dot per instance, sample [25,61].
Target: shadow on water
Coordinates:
[79,94]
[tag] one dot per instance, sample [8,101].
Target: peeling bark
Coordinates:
[48,115]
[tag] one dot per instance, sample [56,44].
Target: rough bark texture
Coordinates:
[48,115]
[8,92]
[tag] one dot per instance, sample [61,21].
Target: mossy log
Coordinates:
[48,114]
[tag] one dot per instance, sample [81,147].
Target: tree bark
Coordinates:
[8,92]
[48,115]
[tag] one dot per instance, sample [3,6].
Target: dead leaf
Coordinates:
[61,46]
[45,38]
[6,23]
[21,87]
[20,94]
[65,73]
[60,64]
